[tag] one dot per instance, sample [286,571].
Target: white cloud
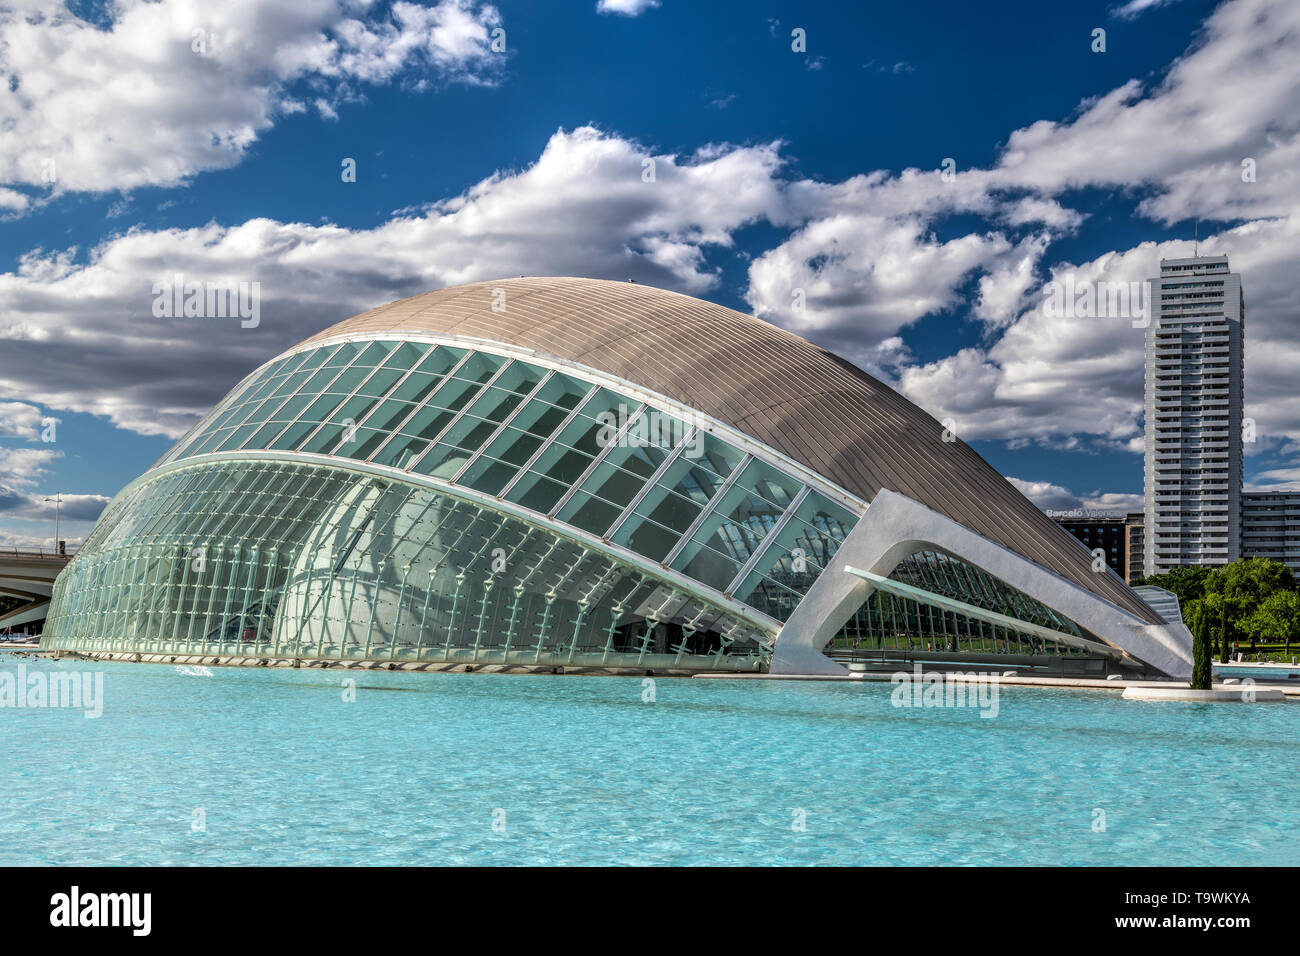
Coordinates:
[1135,8]
[627,8]
[20,420]
[872,254]
[22,467]
[81,336]
[27,520]
[175,87]
[13,200]
[1051,379]
[1276,479]
[870,260]
[18,504]
[1051,497]
[865,274]
[1234,96]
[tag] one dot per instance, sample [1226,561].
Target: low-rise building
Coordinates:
[1270,526]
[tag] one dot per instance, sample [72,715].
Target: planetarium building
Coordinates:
[587,474]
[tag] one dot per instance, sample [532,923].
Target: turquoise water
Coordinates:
[1271,674]
[416,769]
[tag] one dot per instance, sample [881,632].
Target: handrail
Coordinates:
[45,553]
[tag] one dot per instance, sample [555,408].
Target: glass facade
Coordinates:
[274,549]
[347,501]
[574,451]
[283,559]
[891,622]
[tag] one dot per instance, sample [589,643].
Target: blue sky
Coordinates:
[777,170]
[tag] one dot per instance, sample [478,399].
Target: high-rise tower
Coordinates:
[1194,428]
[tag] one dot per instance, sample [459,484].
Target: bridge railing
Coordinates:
[47,553]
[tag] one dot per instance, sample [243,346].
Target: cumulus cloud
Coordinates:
[863,259]
[627,8]
[1275,479]
[1235,96]
[22,467]
[1052,497]
[20,420]
[175,87]
[868,261]
[27,519]
[82,335]
[15,503]
[871,254]
[1050,378]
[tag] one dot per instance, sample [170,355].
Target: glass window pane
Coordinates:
[589,514]
[726,537]
[520,378]
[375,353]
[442,461]
[562,464]
[214,442]
[292,435]
[642,460]
[441,360]
[469,433]
[757,515]
[537,493]
[401,451]
[348,380]
[691,481]
[262,437]
[713,453]
[479,367]
[454,394]
[405,355]
[316,358]
[583,434]
[416,387]
[563,391]
[368,439]
[613,484]
[344,356]
[389,415]
[706,566]
[768,596]
[539,419]
[669,510]
[320,408]
[379,383]
[488,475]
[238,437]
[773,485]
[428,422]
[494,404]
[513,446]
[291,408]
[646,538]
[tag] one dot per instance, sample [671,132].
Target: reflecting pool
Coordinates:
[271,766]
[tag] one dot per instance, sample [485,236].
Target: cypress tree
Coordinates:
[1202,673]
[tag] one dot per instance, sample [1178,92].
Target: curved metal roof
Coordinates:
[782,390]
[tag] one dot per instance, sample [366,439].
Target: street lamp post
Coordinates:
[58,500]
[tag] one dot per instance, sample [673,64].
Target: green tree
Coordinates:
[1197,617]
[1243,586]
[1274,620]
[1187,583]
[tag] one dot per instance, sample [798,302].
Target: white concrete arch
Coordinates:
[894,527]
